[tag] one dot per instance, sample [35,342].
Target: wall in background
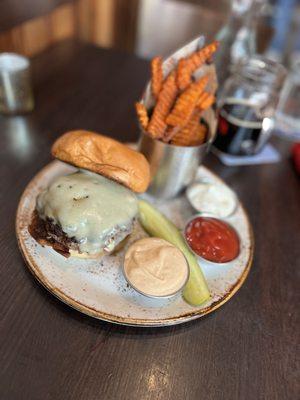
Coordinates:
[164,25]
[146,27]
[15,12]
[33,25]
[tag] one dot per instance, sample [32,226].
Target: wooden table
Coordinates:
[245,350]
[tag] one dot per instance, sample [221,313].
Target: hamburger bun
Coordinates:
[104,156]
[101,253]
[86,256]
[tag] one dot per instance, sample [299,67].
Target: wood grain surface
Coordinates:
[32,26]
[15,12]
[245,350]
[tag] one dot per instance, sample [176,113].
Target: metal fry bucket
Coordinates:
[173,168]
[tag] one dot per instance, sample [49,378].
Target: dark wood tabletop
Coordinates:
[245,350]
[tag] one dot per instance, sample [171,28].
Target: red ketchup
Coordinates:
[212,239]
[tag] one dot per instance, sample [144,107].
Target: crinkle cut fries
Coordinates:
[180,100]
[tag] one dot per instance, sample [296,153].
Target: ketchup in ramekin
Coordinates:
[212,239]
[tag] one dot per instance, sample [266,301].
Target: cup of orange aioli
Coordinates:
[212,239]
[155,268]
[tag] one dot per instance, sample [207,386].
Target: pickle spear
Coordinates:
[156,224]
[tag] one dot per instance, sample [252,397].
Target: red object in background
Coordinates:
[213,239]
[223,125]
[296,156]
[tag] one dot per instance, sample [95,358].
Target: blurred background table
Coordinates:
[245,350]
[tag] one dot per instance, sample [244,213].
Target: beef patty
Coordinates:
[45,232]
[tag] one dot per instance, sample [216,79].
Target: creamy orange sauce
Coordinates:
[155,267]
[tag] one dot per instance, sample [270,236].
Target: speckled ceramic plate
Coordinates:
[98,288]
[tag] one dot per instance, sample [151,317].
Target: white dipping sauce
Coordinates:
[90,208]
[212,198]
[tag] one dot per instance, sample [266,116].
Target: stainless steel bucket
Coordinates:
[173,168]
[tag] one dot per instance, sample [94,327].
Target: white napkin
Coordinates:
[268,155]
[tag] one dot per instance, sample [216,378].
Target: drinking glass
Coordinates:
[15,84]
[288,111]
[247,106]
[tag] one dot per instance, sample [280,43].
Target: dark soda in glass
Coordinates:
[239,128]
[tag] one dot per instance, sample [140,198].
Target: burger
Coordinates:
[89,213]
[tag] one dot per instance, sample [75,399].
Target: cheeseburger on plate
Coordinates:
[91,211]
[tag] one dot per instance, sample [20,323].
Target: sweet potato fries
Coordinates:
[180,100]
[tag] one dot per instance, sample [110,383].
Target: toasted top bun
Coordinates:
[105,156]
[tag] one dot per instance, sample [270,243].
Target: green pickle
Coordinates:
[156,224]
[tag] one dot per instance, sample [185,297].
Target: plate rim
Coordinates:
[137,322]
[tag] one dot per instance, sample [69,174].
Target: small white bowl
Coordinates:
[168,296]
[196,254]
[191,188]
[165,296]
